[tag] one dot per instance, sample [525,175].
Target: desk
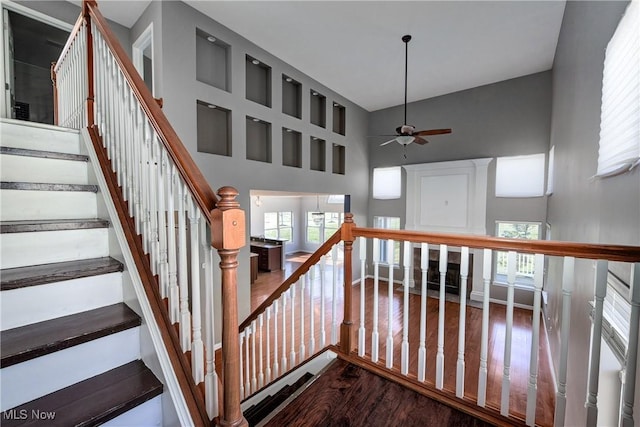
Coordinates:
[254,266]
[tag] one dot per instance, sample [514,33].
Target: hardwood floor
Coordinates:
[520,352]
[331,401]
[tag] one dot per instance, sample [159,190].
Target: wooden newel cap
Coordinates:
[228,221]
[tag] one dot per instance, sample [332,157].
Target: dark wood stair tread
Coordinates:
[20,277]
[14,151]
[93,401]
[35,340]
[266,406]
[43,186]
[51,225]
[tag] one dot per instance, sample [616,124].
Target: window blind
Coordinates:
[620,114]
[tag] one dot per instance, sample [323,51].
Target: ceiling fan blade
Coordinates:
[388,142]
[419,140]
[432,132]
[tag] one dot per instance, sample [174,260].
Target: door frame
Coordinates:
[30,13]
[137,53]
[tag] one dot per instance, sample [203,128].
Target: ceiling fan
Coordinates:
[406,134]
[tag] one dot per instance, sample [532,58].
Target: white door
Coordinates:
[7,45]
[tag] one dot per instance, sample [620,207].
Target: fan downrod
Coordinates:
[406,38]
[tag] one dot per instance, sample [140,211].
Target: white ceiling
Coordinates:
[355,47]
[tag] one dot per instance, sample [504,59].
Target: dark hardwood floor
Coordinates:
[520,353]
[347,395]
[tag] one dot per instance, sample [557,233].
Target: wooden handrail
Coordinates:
[556,248]
[311,261]
[197,183]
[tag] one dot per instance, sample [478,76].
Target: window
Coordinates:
[320,230]
[620,112]
[388,256]
[278,225]
[520,176]
[387,183]
[525,263]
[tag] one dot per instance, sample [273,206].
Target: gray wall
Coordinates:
[176,37]
[502,119]
[582,209]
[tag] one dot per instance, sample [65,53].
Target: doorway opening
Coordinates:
[30,46]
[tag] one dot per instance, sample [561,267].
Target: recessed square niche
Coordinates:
[212,61]
[258,140]
[318,108]
[339,117]
[258,81]
[291,97]
[291,148]
[338,160]
[318,154]
[214,129]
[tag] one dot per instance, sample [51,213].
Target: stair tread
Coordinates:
[35,340]
[14,151]
[93,401]
[25,226]
[43,186]
[20,277]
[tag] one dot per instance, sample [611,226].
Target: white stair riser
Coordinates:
[35,378]
[44,247]
[33,304]
[149,414]
[39,137]
[36,205]
[39,169]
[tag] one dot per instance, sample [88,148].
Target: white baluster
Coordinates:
[283,361]
[484,340]
[629,390]
[163,257]
[137,172]
[267,373]
[596,341]
[260,352]
[334,295]
[312,328]
[145,164]
[422,350]
[197,348]
[464,274]
[302,349]
[568,282]
[375,336]
[323,263]
[153,206]
[506,375]
[183,277]
[532,387]
[241,341]
[174,308]
[292,353]
[276,365]
[254,378]
[389,347]
[361,330]
[440,352]
[247,383]
[405,319]
[211,376]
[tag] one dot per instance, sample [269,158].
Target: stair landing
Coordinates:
[348,395]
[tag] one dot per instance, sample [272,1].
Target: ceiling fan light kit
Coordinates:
[406,134]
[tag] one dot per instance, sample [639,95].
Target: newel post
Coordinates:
[346,328]
[228,236]
[54,82]
[90,92]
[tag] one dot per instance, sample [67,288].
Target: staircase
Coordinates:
[70,345]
